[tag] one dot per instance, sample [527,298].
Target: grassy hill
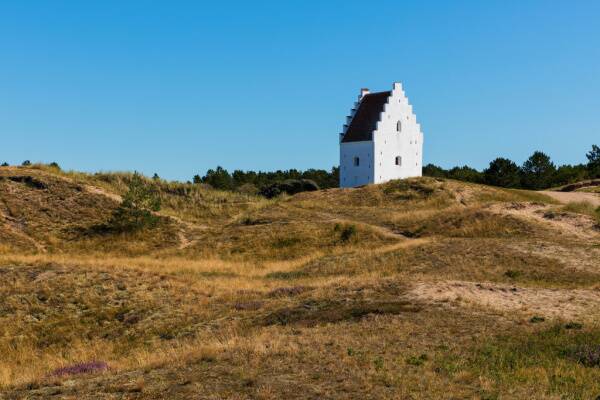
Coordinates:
[421,288]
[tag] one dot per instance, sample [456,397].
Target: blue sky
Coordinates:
[179,87]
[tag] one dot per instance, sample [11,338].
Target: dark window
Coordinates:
[398,160]
[356,161]
[399,126]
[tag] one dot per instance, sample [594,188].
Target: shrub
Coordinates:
[536,319]
[573,325]
[512,274]
[289,186]
[416,361]
[346,232]
[5,164]
[55,165]
[26,163]
[138,206]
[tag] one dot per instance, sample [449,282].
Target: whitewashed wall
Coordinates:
[389,143]
[351,175]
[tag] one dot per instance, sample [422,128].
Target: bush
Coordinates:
[5,164]
[26,163]
[54,165]
[417,361]
[512,274]
[289,186]
[138,206]
[346,232]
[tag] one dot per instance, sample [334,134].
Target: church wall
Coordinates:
[389,143]
[350,174]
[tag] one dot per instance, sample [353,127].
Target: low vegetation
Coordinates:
[118,285]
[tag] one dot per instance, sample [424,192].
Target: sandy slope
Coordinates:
[567,197]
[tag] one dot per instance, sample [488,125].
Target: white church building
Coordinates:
[381,140]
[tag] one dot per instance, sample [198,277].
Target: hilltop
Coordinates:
[420,288]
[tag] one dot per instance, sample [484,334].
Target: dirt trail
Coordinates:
[102,192]
[382,230]
[568,197]
[582,226]
[579,304]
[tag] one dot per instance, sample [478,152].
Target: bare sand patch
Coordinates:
[582,226]
[580,304]
[569,197]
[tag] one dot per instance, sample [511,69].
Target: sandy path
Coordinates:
[567,197]
[581,304]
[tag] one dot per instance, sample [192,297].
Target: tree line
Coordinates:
[270,183]
[537,172]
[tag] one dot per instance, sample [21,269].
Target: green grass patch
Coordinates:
[556,361]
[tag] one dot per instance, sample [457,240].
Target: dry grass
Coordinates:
[342,293]
[583,207]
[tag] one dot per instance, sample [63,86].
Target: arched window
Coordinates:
[398,160]
[356,161]
[399,126]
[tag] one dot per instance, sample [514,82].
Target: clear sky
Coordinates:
[177,87]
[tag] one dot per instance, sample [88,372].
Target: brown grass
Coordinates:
[341,293]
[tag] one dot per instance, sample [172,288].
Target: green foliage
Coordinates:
[566,174]
[272,183]
[417,360]
[4,164]
[538,171]
[537,319]
[218,178]
[466,174]
[289,186]
[138,206]
[503,172]
[54,165]
[573,325]
[434,171]
[593,165]
[512,274]
[570,354]
[26,163]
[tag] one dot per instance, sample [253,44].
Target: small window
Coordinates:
[356,161]
[399,126]
[398,160]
